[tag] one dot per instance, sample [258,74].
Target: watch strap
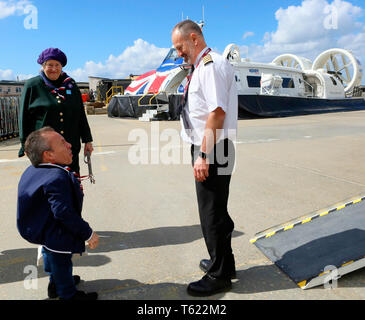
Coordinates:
[202,155]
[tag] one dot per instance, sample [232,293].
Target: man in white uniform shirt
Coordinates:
[209,123]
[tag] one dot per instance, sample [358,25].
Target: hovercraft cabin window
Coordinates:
[253,82]
[288,83]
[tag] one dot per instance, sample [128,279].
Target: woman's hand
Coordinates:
[88,148]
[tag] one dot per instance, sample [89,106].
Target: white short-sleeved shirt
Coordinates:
[212,85]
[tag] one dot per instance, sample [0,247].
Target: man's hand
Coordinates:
[214,123]
[94,241]
[88,148]
[201,169]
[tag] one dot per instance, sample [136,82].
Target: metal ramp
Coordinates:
[158,104]
[318,248]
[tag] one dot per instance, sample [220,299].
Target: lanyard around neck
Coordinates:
[202,56]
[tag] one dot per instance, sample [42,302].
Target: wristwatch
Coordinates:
[202,155]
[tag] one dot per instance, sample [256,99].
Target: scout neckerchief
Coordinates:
[78,177]
[65,83]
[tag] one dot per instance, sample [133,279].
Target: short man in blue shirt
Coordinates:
[49,211]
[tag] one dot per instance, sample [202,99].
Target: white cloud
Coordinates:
[9,74]
[247,34]
[310,28]
[354,42]
[315,19]
[136,59]
[13,7]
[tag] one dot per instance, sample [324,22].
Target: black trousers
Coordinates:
[212,194]
[75,166]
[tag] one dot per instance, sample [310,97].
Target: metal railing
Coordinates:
[9,114]
[162,94]
[311,87]
[113,91]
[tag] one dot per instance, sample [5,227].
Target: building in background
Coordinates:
[11,88]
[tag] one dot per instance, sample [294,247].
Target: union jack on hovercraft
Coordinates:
[167,77]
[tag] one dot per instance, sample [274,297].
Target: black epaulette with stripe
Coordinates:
[207,59]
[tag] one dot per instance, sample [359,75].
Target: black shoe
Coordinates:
[204,265]
[52,293]
[208,285]
[83,296]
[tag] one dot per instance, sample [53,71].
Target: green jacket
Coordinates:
[39,108]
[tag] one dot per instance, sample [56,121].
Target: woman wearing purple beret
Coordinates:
[53,99]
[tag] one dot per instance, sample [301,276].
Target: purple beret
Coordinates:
[52,54]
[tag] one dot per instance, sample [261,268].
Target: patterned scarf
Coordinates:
[66,83]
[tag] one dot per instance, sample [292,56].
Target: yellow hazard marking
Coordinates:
[345,264]
[324,213]
[270,234]
[306,220]
[302,284]
[289,227]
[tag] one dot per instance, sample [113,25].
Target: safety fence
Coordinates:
[9,114]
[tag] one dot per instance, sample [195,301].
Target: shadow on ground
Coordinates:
[249,281]
[13,262]
[156,237]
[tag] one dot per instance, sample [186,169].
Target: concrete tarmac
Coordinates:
[143,206]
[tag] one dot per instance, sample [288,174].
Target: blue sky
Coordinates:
[114,38]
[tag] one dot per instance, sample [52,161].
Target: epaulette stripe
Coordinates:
[207,59]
